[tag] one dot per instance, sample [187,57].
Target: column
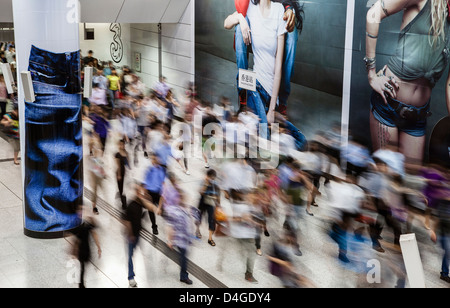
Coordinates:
[47,45]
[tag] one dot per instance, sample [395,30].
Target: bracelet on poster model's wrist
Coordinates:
[370,62]
[371,35]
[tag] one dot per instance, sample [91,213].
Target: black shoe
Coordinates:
[145,155]
[186,281]
[249,277]
[445,278]
[155,230]
[266,233]
[298,252]
[378,248]
[95,210]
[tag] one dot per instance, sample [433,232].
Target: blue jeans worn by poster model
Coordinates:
[387,115]
[241,53]
[53,148]
[300,139]
[259,102]
[253,102]
[290,50]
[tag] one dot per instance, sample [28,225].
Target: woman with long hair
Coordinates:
[400,101]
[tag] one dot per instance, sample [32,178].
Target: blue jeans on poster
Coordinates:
[290,50]
[53,184]
[253,102]
[300,139]
[241,53]
[258,102]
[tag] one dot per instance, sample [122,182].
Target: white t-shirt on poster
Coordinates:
[265,32]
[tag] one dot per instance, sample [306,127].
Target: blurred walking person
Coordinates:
[346,200]
[122,163]
[209,200]
[81,246]
[441,228]
[10,122]
[132,219]
[179,222]
[153,182]
[243,229]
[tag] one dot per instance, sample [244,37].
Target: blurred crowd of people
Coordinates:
[260,206]
[9,110]
[361,192]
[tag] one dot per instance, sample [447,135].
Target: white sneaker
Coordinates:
[132,283]
[206,165]
[187,172]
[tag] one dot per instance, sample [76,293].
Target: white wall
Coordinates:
[177,50]
[177,46]
[103,38]
[144,40]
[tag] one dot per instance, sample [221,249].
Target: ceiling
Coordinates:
[121,11]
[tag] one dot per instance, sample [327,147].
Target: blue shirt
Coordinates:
[154,178]
[164,152]
[106,71]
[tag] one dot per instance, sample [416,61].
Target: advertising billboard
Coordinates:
[47,44]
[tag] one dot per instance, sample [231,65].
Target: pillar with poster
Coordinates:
[47,43]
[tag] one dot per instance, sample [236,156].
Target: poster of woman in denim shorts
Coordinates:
[47,44]
[399,80]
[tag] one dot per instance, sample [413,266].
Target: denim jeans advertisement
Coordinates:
[296,49]
[47,42]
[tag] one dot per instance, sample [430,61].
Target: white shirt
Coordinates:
[312,162]
[250,120]
[394,160]
[128,126]
[345,197]
[144,112]
[160,112]
[241,229]
[265,32]
[98,97]
[237,175]
[375,182]
[154,139]
[286,143]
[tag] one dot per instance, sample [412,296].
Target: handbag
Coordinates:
[209,200]
[220,215]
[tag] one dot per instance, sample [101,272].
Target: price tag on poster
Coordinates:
[137,62]
[247,80]
[7,74]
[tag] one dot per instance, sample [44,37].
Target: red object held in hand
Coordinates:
[448,10]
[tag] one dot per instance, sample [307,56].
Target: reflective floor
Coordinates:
[26,262]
